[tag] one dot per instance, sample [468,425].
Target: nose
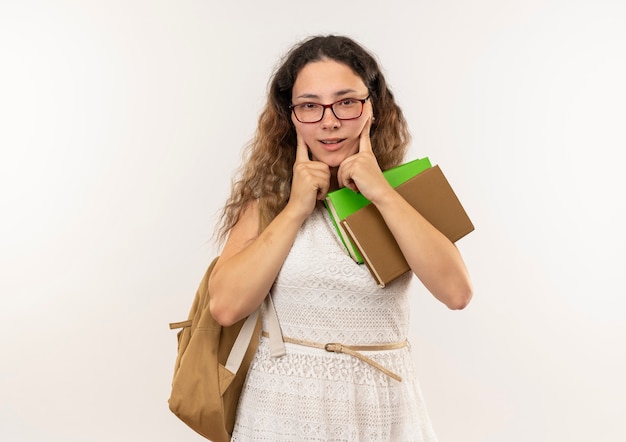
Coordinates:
[329,120]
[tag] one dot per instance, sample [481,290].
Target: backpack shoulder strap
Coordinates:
[241,343]
[277,345]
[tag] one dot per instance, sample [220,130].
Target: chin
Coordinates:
[334,159]
[331,160]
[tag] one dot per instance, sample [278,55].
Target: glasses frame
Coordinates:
[330,106]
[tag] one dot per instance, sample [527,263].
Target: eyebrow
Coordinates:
[337,94]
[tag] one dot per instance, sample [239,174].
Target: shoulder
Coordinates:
[244,231]
[248,222]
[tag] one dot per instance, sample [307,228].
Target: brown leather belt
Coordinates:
[352,350]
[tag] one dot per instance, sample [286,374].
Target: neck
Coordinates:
[334,184]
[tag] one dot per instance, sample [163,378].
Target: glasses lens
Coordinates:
[348,109]
[309,112]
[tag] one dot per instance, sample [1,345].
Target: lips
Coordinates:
[332,141]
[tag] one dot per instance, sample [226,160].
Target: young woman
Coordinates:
[330,121]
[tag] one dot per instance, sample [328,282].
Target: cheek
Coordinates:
[355,134]
[309,138]
[307,132]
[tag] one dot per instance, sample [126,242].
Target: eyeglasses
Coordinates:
[344,109]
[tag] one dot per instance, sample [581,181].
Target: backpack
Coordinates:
[211,367]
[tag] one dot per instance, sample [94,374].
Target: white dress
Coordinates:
[309,394]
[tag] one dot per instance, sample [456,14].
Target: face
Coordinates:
[330,140]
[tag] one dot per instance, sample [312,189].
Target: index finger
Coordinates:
[302,150]
[365,144]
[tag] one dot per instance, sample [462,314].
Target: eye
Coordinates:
[347,102]
[308,106]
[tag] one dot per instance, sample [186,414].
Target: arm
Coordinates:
[433,258]
[250,262]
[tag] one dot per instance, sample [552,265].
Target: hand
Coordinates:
[361,172]
[311,180]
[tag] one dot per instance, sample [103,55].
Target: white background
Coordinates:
[121,123]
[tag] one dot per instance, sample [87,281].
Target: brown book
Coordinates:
[432,196]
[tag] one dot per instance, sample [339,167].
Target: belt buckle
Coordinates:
[333,347]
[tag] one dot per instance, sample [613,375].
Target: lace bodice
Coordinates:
[322,295]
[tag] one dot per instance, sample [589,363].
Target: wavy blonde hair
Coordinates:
[266,173]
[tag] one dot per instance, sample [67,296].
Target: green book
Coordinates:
[343,202]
